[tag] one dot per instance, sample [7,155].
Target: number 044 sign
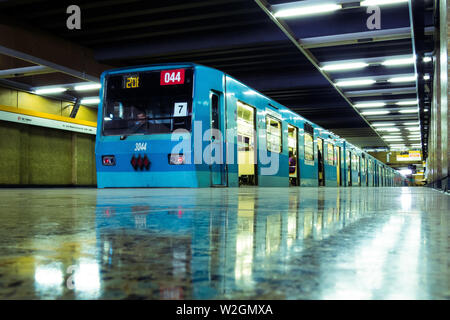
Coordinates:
[170,77]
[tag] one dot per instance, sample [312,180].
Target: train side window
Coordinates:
[330,155]
[354,162]
[309,147]
[273,134]
[309,142]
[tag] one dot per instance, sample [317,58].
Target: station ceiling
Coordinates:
[286,58]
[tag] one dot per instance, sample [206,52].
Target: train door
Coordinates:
[358,163]
[363,170]
[293,156]
[338,165]
[217,169]
[349,167]
[321,165]
[368,171]
[246,144]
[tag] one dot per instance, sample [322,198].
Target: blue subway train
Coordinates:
[188,125]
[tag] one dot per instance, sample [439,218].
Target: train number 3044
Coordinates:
[141,146]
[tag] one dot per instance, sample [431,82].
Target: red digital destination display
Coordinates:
[169,77]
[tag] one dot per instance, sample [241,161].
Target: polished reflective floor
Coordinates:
[246,243]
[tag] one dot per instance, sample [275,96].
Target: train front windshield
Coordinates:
[148,102]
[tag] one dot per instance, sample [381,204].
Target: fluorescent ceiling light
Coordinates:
[426,110]
[409,110]
[369,113]
[90,101]
[307,10]
[370,104]
[344,66]
[383,124]
[414,136]
[411,123]
[426,77]
[393,139]
[367,3]
[86,87]
[413,129]
[49,90]
[388,129]
[407,103]
[355,83]
[402,79]
[398,62]
[427,59]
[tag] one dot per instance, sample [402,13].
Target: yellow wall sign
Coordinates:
[409,156]
[46,120]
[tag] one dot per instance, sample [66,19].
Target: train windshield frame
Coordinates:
[148,102]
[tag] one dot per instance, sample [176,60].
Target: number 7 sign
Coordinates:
[180,109]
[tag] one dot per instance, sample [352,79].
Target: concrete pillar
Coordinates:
[445,128]
[438,165]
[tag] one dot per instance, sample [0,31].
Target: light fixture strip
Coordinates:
[370,104]
[87,87]
[367,3]
[375,112]
[355,83]
[49,90]
[306,10]
[90,100]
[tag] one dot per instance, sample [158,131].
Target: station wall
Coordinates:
[33,155]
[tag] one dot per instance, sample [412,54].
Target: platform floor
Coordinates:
[246,243]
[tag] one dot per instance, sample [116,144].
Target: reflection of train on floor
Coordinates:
[208,249]
[231,135]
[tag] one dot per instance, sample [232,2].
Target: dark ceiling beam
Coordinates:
[283,80]
[49,51]
[229,52]
[381,92]
[14,3]
[24,71]
[259,35]
[160,22]
[119,13]
[7,62]
[360,37]
[91,5]
[164,32]
[40,80]
[351,21]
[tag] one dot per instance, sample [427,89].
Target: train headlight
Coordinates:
[109,160]
[176,159]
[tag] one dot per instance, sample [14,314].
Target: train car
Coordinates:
[353,165]
[329,150]
[187,125]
